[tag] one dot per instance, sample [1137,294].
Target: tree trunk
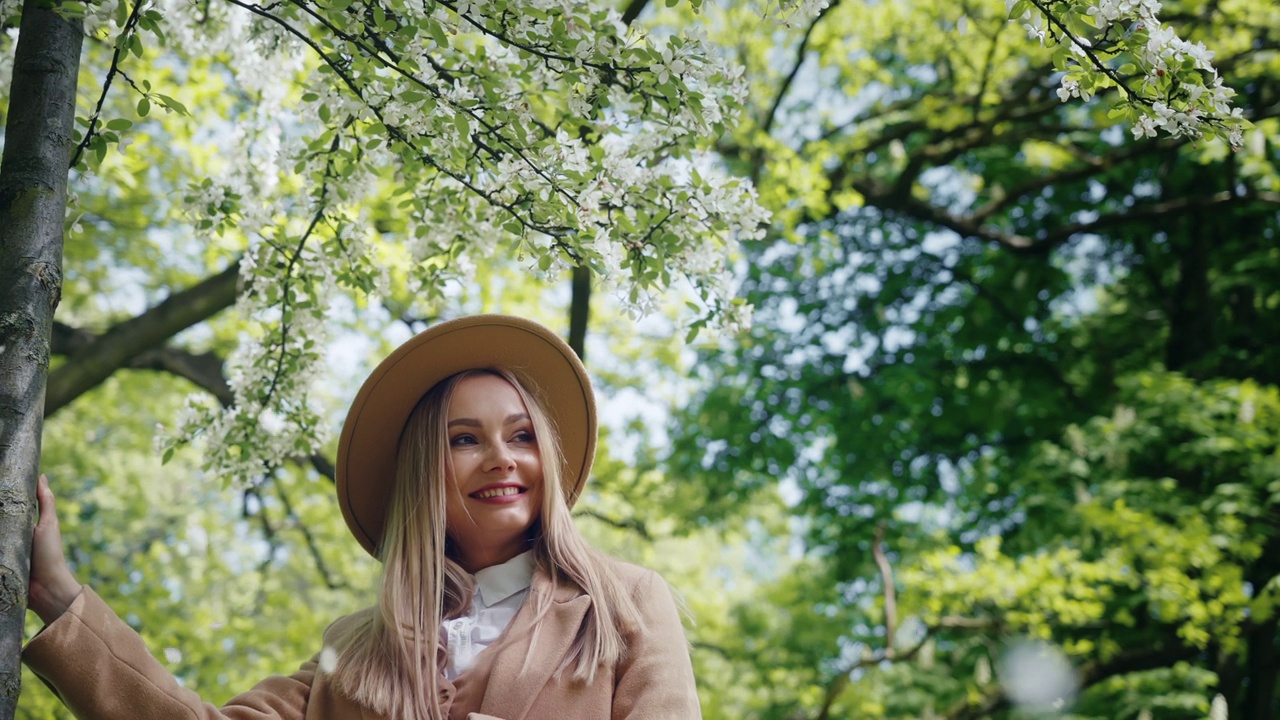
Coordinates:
[580,310]
[33,198]
[1261,668]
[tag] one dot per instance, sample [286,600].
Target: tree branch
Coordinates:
[204,370]
[949,622]
[121,45]
[801,51]
[1161,210]
[632,524]
[1090,674]
[310,540]
[580,310]
[1091,165]
[633,10]
[94,362]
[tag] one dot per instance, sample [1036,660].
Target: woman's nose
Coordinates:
[500,457]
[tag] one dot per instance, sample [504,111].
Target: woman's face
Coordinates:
[494,480]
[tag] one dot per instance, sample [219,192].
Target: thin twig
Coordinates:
[801,51]
[130,25]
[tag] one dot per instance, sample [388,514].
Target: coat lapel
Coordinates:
[515,684]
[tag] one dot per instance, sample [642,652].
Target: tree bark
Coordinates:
[580,310]
[1261,668]
[1192,313]
[39,137]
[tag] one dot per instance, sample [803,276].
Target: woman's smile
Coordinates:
[499,493]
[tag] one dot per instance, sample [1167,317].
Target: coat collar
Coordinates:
[534,650]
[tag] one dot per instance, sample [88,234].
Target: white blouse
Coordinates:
[500,591]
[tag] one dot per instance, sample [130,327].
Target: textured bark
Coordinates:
[33,193]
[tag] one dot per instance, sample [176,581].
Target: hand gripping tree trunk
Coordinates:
[33,193]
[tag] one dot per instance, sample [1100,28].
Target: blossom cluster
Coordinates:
[272,419]
[794,13]
[1170,84]
[544,130]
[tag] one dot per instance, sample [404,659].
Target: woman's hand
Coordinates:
[52,587]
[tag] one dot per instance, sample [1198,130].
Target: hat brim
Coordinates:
[545,364]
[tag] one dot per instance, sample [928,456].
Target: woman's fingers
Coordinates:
[52,587]
[48,510]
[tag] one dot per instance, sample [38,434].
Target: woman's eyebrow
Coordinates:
[472,422]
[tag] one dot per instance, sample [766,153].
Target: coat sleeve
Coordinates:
[101,670]
[655,680]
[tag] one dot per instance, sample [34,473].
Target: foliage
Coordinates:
[975,287]
[353,139]
[1167,82]
[988,326]
[1158,550]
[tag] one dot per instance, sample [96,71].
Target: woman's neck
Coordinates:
[474,560]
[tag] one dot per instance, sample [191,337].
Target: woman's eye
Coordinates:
[462,440]
[524,436]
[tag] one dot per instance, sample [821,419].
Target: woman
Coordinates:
[457,465]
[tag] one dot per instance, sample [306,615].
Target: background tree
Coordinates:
[1008,365]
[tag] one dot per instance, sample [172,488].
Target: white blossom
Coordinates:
[1144,126]
[1218,708]
[1169,98]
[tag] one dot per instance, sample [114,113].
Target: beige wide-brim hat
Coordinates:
[543,363]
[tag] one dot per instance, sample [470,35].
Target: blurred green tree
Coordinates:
[1012,370]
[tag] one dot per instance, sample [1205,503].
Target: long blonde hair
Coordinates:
[388,662]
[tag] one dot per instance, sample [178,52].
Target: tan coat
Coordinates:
[100,669]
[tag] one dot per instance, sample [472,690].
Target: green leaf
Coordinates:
[119,124]
[144,107]
[172,104]
[437,33]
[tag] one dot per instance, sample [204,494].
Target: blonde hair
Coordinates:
[387,661]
